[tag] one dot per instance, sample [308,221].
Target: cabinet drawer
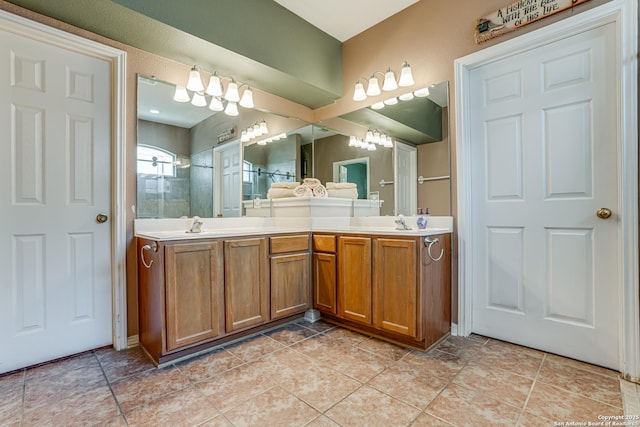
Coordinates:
[324,243]
[284,244]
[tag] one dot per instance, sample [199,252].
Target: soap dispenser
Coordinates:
[422,219]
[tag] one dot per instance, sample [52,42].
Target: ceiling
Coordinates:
[344,19]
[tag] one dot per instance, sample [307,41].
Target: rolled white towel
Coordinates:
[279,193]
[289,185]
[320,191]
[349,193]
[311,182]
[303,191]
[340,185]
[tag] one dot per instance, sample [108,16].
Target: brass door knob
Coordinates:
[603,213]
[101,218]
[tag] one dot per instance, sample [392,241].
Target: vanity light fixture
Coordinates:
[254,131]
[272,139]
[214,89]
[389,83]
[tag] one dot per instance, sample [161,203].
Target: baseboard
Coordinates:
[454,329]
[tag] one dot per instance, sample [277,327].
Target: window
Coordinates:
[156,161]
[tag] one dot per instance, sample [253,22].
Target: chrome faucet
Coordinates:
[196,227]
[400,224]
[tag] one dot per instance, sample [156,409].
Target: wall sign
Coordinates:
[519,14]
[226,135]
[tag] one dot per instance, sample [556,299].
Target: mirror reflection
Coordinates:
[416,172]
[191,161]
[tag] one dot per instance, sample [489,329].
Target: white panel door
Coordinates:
[405,179]
[229,179]
[55,135]
[545,269]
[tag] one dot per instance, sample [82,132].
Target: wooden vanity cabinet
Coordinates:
[290,272]
[395,290]
[194,293]
[246,283]
[180,294]
[354,279]
[324,273]
[388,286]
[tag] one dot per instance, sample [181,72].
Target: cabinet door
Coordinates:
[194,287]
[324,282]
[246,286]
[354,278]
[395,287]
[289,284]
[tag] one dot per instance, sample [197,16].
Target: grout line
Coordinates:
[104,374]
[533,384]
[24,392]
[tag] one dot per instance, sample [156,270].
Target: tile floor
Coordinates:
[316,374]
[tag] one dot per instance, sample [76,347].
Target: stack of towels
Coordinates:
[279,190]
[312,187]
[343,190]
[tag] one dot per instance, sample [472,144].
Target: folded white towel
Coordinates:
[311,182]
[320,191]
[348,193]
[303,191]
[340,185]
[279,193]
[289,185]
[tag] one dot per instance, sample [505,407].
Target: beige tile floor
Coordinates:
[315,375]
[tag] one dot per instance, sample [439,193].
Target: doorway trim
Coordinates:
[117,60]
[624,14]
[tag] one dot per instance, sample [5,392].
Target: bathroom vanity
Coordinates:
[199,290]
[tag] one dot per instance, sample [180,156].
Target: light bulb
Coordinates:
[181,94]
[376,137]
[199,100]
[232,94]
[372,147]
[389,81]
[244,137]
[250,133]
[195,82]
[374,87]
[231,109]
[406,97]
[247,98]
[352,141]
[263,128]
[369,136]
[391,101]
[422,93]
[378,106]
[406,78]
[216,104]
[214,88]
[256,130]
[358,93]
[388,143]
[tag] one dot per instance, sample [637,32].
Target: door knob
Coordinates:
[101,218]
[603,213]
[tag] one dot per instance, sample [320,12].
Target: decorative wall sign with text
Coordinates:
[519,14]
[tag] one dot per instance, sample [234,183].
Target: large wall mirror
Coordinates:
[415,171]
[187,165]
[190,159]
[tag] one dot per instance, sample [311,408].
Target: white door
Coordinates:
[406,179]
[228,183]
[55,267]
[543,161]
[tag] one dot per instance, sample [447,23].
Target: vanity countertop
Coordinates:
[176,229]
